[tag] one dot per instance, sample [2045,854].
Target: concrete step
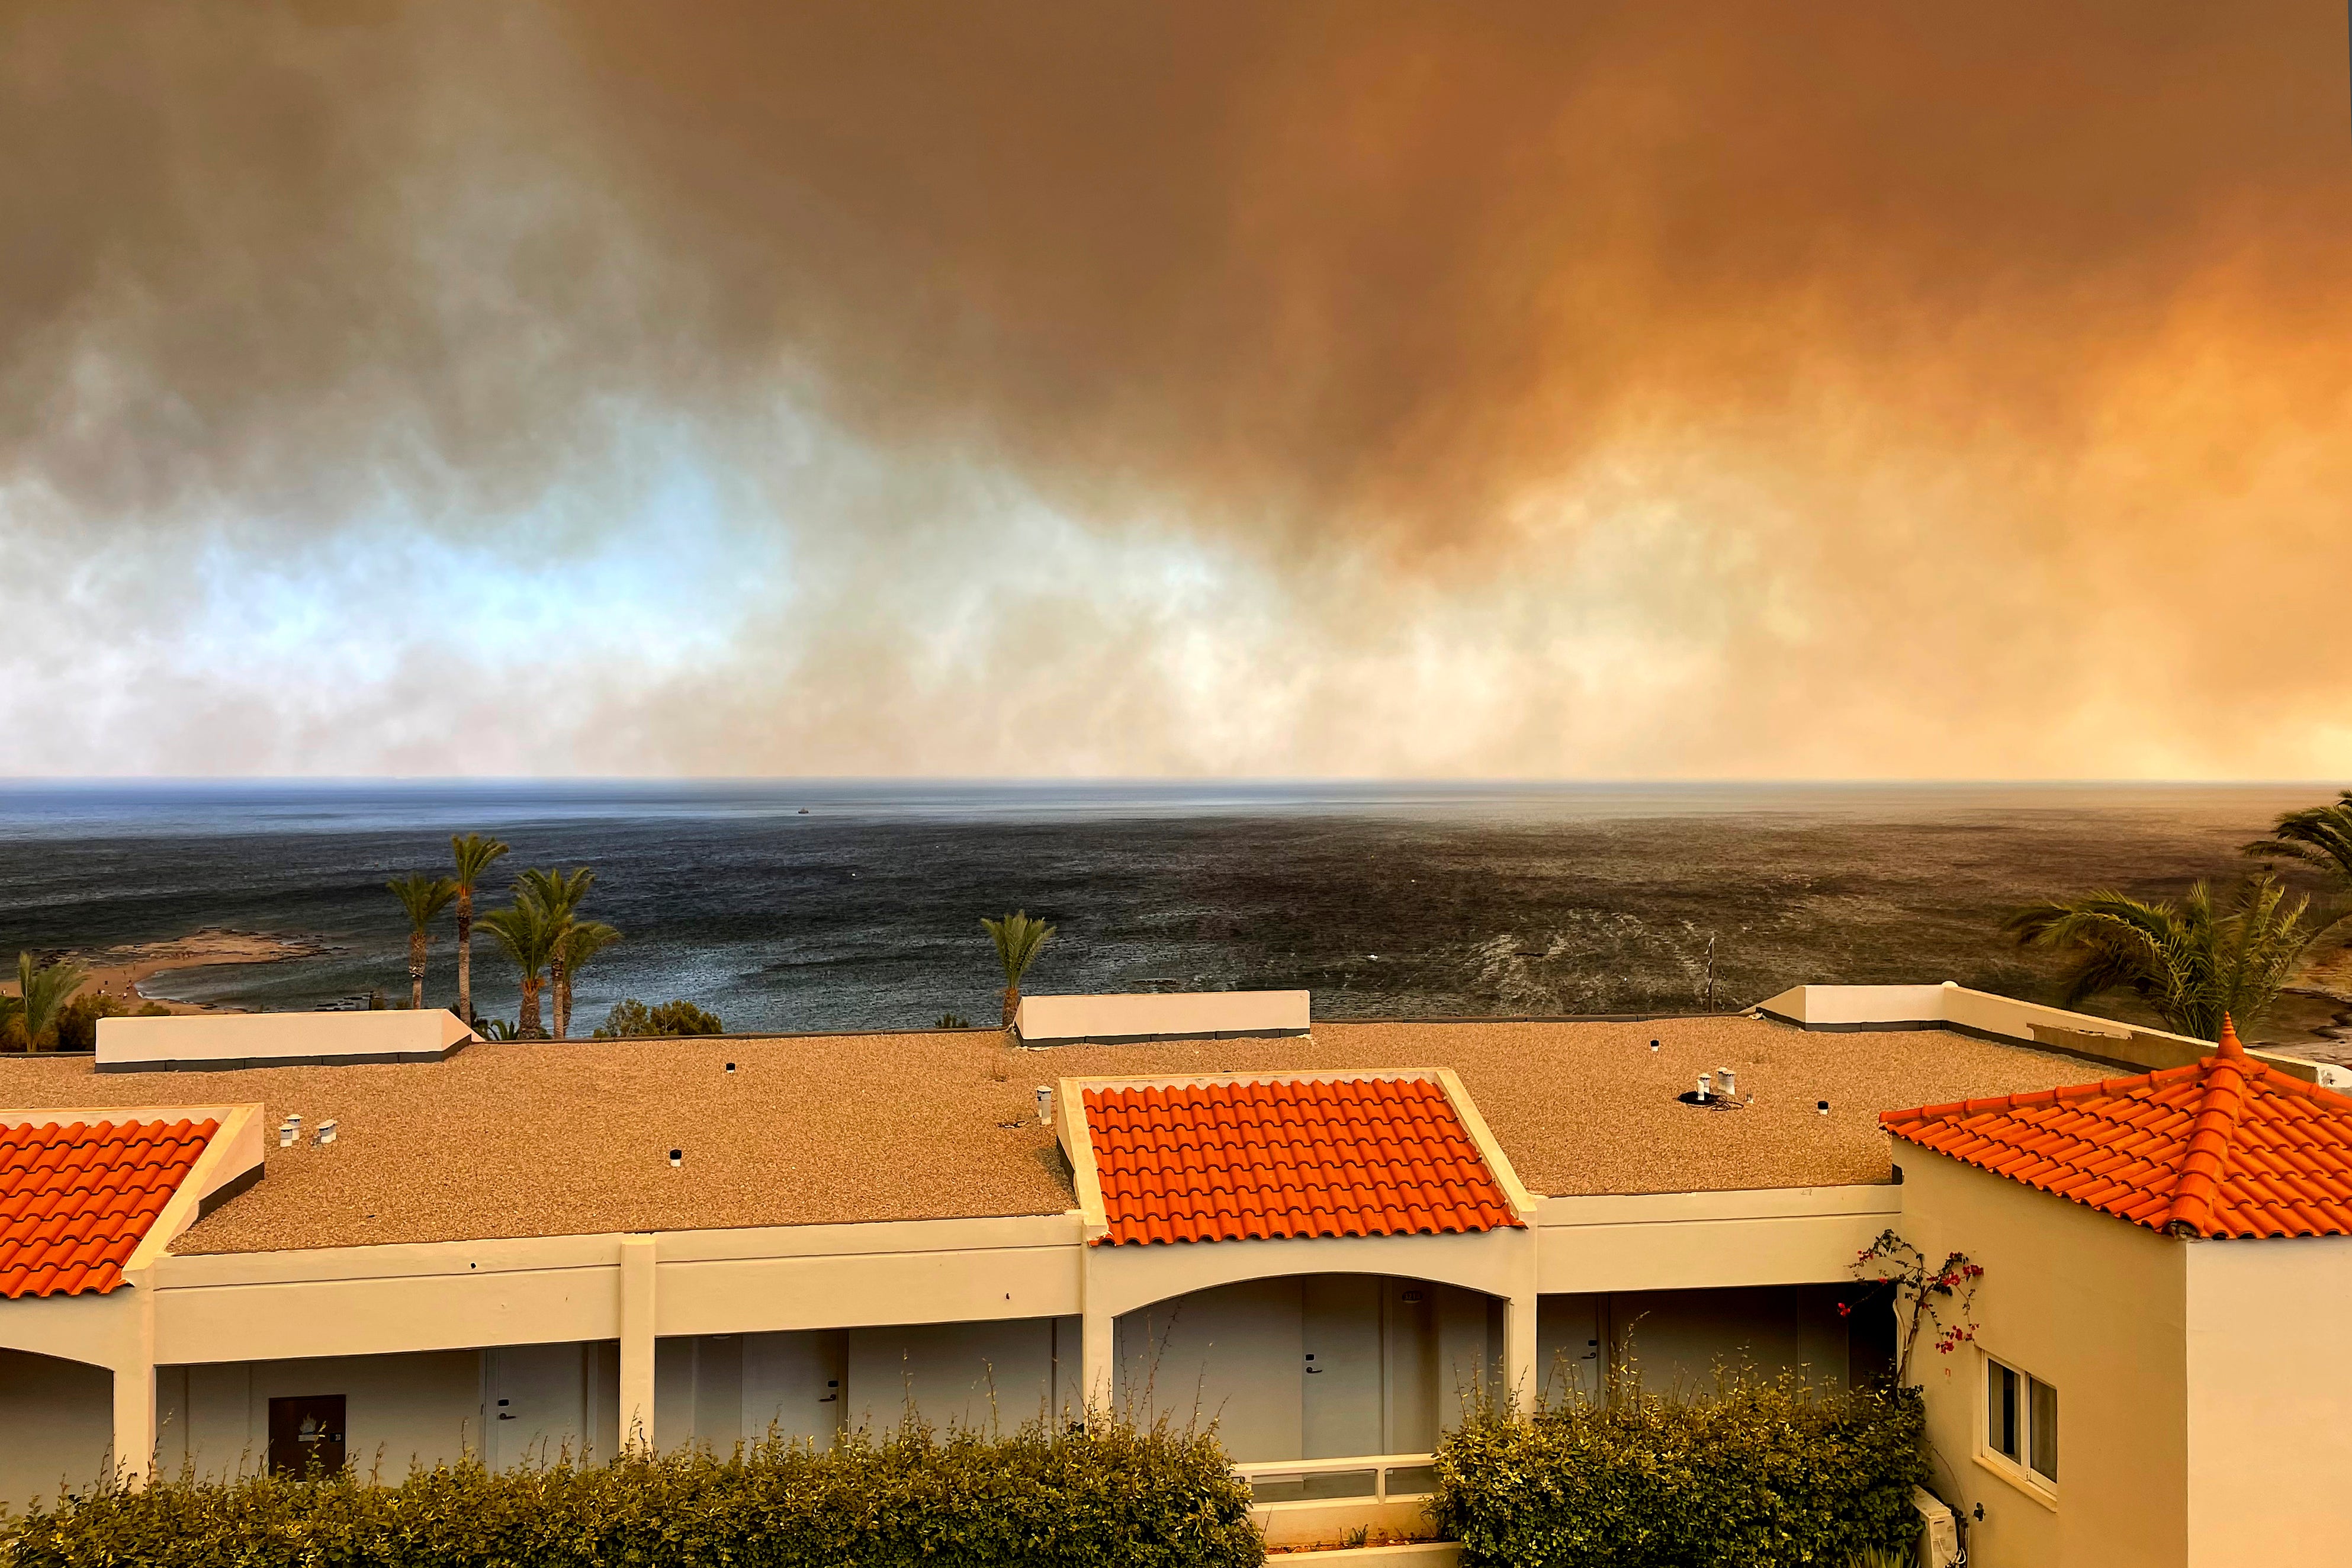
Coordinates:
[1408,1554]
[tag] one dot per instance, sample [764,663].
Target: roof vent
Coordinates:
[1707,1096]
[1044,1106]
[1822,1106]
[327,1131]
[677,1159]
[290,1132]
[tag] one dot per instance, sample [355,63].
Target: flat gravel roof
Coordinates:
[573,1138]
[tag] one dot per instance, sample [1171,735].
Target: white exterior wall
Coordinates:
[2006,1017]
[56,1425]
[2270,1407]
[211,1039]
[2096,1308]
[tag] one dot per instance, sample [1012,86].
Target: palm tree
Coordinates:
[529,938]
[582,941]
[421,898]
[1018,938]
[2317,835]
[2192,962]
[473,854]
[42,994]
[558,894]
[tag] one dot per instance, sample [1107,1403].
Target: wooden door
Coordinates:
[305,1435]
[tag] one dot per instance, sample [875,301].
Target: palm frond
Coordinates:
[42,993]
[421,896]
[2191,961]
[554,890]
[1018,939]
[473,855]
[582,940]
[525,933]
[2316,835]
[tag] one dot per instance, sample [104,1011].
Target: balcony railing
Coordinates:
[1379,1477]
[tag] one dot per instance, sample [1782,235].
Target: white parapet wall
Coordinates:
[1173,1015]
[1952,1005]
[218,1042]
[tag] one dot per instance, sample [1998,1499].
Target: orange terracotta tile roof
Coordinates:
[2228,1146]
[75,1200]
[1226,1162]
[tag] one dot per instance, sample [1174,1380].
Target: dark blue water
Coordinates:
[1383,899]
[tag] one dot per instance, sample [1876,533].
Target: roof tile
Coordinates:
[2228,1146]
[1226,1162]
[75,1201]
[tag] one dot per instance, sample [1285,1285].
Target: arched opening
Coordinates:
[56,1425]
[1313,1366]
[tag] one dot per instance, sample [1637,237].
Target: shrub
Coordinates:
[77,1021]
[1759,1475]
[632,1019]
[1116,1496]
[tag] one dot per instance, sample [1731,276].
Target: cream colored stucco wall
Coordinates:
[1688,1340]
[1228,1355]
[975,1374]
[423,1408]
[632,1292]
[56,1425]
[1692,1241]
[2096,1308]
[2270,1406]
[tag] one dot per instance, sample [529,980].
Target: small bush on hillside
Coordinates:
[1758,1475]
[632,1019]
[1115,1497]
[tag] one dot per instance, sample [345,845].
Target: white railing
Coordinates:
[1273,1474]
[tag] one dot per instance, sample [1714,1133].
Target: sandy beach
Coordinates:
[121,970]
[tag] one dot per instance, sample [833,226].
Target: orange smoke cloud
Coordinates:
[1832,389]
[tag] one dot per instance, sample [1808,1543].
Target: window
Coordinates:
[2022,1419]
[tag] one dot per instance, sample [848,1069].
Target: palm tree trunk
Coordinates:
[466,955]
[527,1020]
[416,940]
[560,979]
[1012,1004]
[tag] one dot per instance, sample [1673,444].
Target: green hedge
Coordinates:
[1756,1477]
[1113,1497]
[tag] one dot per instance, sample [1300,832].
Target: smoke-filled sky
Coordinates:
[1884,388]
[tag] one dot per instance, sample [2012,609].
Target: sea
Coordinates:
[821,905]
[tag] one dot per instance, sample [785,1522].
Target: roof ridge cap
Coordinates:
[2206,1154]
